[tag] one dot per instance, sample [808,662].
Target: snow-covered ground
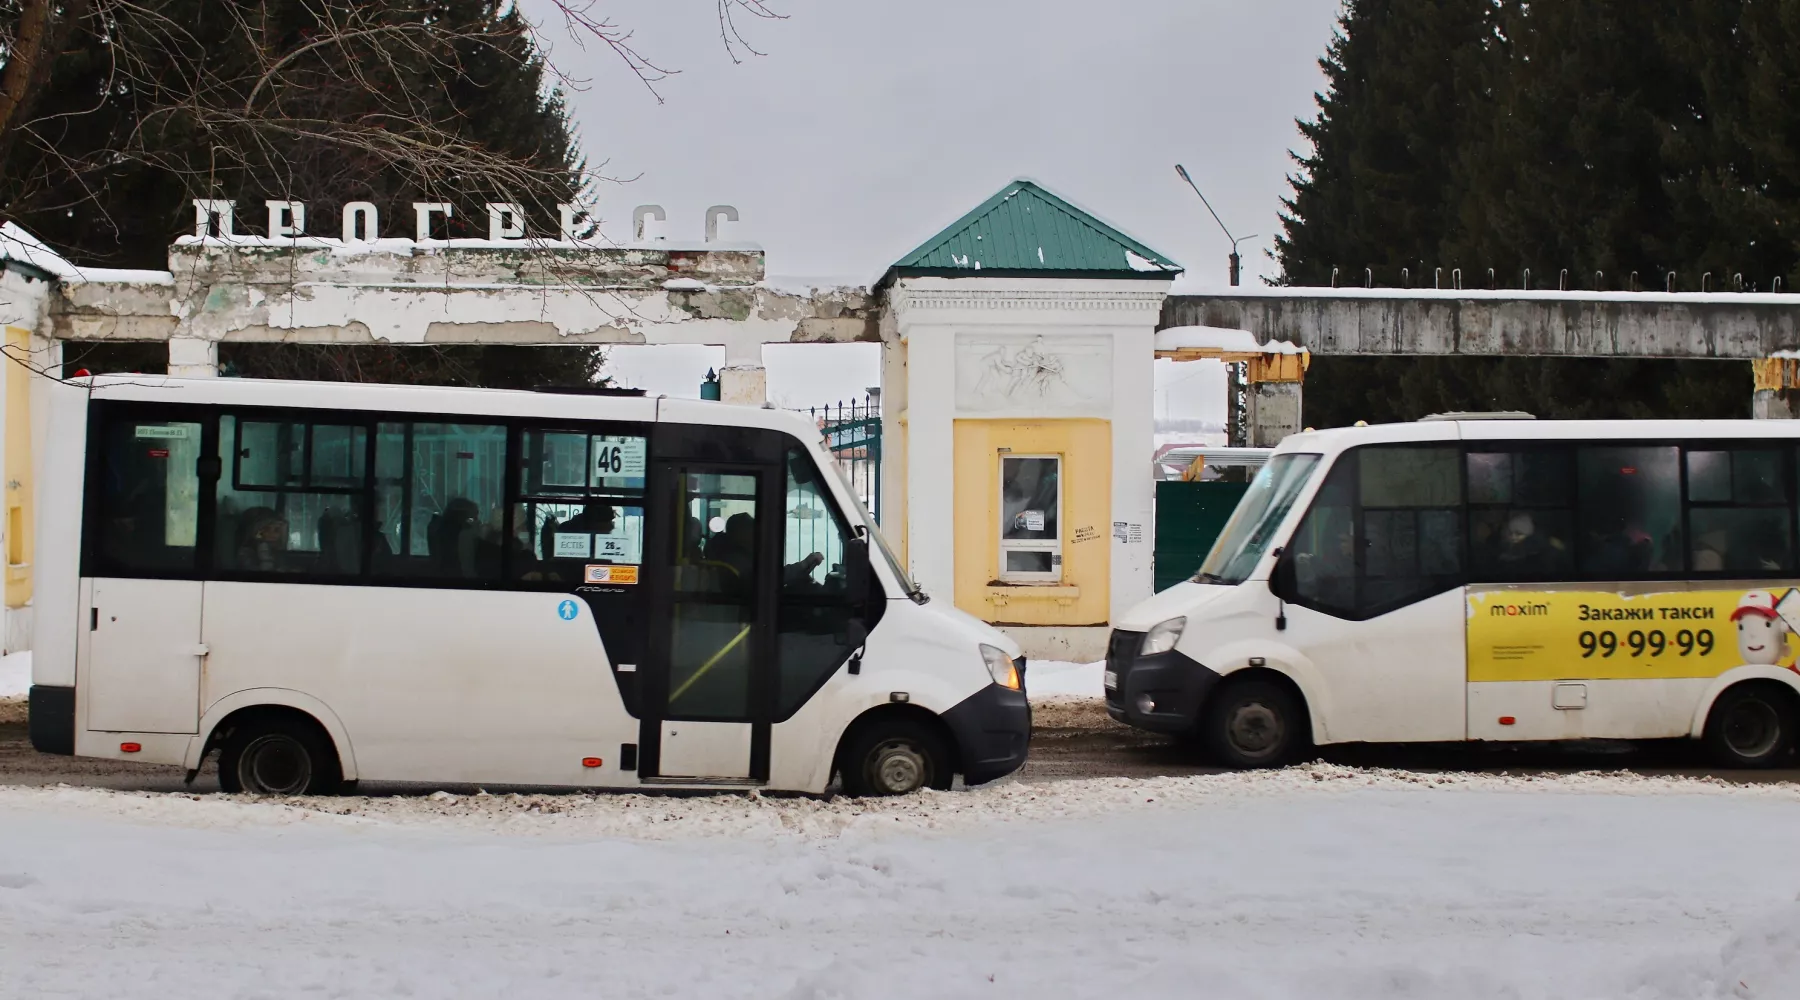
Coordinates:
[15,675]
[1319,882]
[1060,679]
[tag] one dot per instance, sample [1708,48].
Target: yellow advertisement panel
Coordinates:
[1543,635]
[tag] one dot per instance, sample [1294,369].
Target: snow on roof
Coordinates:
[1217,338]
[1488,295]
[17,244]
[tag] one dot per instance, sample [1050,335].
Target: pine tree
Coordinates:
[1587,146]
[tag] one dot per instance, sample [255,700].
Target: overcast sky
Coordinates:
[866,127]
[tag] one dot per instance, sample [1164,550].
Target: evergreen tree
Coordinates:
[1588,146]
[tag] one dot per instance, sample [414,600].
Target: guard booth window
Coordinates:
[580,513]
[1030,515]
[147,497]
[1384,531]
[290,497]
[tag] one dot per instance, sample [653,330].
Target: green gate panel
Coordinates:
[1189,517]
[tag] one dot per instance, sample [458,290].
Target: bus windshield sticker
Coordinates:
[611,574]
[1538,635]
[568,610]
[162,432]
[574,545]
[615,547]
[618,457]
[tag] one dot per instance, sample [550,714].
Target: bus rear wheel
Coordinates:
[895,757]
[279,755]
[1751,726]
[1254,723]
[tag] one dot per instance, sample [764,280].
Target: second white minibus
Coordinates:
[333,583]
[1488,579]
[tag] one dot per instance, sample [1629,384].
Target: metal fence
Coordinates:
[853,433]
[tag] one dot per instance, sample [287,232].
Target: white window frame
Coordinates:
[1054,546]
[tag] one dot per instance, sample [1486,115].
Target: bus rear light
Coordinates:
[591,762]
[1507,720]
[130,747]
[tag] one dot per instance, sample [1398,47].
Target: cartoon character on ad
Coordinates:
[1764,622]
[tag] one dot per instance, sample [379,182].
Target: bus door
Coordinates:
[705,713]
[141,672]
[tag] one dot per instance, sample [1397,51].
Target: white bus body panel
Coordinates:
[1395,678]
[58,606]
[143,656]
[701,750]
[1635,709]
[431,685]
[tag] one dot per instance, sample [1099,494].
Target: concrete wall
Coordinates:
[1337,321]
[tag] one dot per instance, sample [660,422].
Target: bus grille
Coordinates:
[1121,651]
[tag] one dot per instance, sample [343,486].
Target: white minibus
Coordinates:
[332,583]
[1462,578]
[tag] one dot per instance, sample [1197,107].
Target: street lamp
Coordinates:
[1236,261]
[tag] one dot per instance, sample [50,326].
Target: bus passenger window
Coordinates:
[1630,511]
[582,505]
[148,497]
[289,497]
[439,500]
[1739,515]
[1521,516]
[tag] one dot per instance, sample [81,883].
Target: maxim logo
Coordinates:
[1516,610]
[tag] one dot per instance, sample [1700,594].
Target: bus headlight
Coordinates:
[1000,667]
[1162,637]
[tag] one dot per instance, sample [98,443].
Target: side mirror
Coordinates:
[856,569]
[1282,578]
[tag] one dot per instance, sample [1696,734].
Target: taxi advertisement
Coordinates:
[1536,635]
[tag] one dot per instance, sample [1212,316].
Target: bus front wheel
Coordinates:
[1254,723]
[279,755]
[895,756]
[1751,725]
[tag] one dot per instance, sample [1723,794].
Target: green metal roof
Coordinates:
[1025,230]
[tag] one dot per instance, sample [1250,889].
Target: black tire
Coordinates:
[895,757]
[1751,726]
[279,755]
[1255,723]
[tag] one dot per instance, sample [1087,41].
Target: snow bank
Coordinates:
[1061,679]
[1323,883]
[15,675]
[1216,338]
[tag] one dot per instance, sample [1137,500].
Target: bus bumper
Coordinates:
[993,732]
[52,719]
[1161,693]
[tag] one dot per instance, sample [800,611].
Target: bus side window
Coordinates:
[1521,513]
[816,607]
[1630,510]
[1384,531]
[289,497]
[1739,512]
[148,497]
[439,500]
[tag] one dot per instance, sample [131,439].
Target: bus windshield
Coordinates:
[1258,515]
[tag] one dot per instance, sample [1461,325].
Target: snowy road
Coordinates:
[1322,882]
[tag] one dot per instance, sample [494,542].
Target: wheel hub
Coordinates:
[1254,728]
[275,765]
[1752,729]
[900,768]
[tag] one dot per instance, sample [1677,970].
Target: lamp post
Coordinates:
[1236,261]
